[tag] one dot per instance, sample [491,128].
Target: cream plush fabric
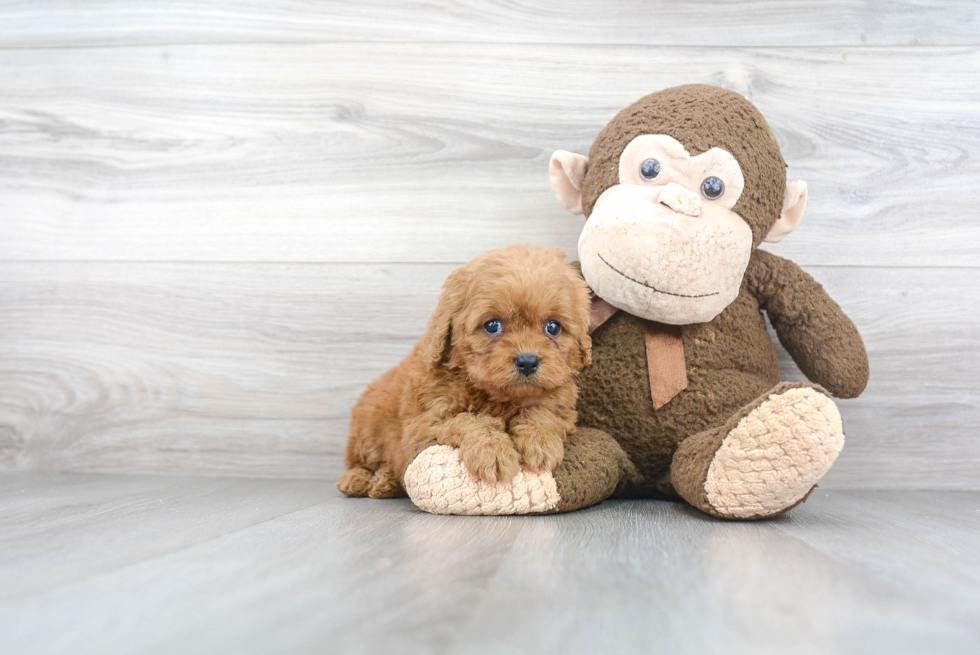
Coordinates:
[775,454]
[437,482]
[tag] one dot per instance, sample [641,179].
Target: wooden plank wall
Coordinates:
[220,220]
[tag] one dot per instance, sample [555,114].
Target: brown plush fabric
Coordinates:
[822,340]
[694,455]
[691,462]
[665,353]
[700,117]
[730,362]
[593,468]
[731,365]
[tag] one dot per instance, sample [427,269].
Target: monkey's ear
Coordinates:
[567,171]
[793,205]
[436,340]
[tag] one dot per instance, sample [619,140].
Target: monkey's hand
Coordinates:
[484,448]
[822,340]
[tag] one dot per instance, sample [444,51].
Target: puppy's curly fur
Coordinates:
[461,386]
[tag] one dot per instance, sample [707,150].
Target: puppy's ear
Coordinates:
[584,303]
[438,336]
[585,345]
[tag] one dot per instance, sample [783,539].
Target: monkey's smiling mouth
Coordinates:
[668,293]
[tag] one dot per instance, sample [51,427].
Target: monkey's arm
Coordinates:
[821,339]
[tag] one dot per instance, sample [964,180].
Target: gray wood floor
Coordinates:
[125,564]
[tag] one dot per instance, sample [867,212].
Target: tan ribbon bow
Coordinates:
[665,353]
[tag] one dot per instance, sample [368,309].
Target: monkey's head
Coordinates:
[679,189]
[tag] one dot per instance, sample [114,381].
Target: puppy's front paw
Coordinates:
[539,451]
[491,458]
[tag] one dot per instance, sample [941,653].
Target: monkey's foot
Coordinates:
[593,468]
[437,482]
[764,461]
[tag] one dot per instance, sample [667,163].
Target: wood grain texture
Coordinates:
[258,566]
[435,152]
[220,220]
[676,22]
[250,369]
[138,524]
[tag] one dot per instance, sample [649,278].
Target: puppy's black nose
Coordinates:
[526,363]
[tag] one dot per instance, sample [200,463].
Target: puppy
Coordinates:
[493,375]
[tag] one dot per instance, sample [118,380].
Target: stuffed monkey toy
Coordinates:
[684,398]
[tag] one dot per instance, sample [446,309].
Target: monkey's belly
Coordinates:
[730,362]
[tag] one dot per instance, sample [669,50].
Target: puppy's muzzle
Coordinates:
[526,363]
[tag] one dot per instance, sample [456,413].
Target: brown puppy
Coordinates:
[493,375]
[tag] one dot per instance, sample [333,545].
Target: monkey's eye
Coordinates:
[712,188]
[650,169]
[493,327]
[553,328]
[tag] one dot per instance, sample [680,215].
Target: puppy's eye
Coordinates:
[712,188]
[493,327]
[650,169]
[553,328]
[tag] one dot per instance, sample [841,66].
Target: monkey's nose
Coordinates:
[680,199]
[526,363]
